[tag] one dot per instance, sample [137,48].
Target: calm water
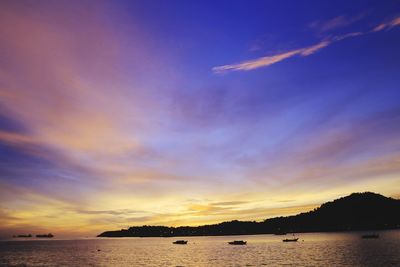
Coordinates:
[317,249]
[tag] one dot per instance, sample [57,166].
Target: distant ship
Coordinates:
[45,236]
[238,242]
[22,236]
[180,242]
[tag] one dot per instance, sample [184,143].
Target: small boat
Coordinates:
[370,236]
[237,242]
[290,240]
[180,242]
[45,236]
[294,239]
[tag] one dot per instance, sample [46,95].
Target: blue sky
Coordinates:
[119,113]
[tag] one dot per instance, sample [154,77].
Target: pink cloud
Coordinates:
[388,25]
[269,60]
[256,63]
[305,51]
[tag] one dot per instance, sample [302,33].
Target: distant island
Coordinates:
[45,236]
[358,211]
[22,236]
[49,235]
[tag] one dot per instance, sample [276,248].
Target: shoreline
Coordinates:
[287,234]
[137,237]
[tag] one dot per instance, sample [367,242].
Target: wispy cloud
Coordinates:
[387,25]
[15,138]
[335,23]
[269,60]
[305,51]
[229,203]
[109,212]
[256,63]
[314,48]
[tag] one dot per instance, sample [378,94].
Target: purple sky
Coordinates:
[117,113]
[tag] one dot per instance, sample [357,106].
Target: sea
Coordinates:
[312,249]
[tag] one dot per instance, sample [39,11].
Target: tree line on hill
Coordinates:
[358,211]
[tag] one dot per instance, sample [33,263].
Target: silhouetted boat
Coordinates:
[237,242]
[180,242]
[23,236]
[370,236]
[45,236]
[290,240]
[294,239]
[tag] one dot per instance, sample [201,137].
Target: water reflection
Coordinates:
[317,249]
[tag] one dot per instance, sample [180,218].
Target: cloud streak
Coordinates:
[387,25]
[335,23]
[304,52]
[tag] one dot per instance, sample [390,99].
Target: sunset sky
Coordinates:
[122,113]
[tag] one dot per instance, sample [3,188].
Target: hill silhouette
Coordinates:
[358,211]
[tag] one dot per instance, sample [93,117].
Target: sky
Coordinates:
[124,113]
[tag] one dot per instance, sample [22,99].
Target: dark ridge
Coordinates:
[358,211]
